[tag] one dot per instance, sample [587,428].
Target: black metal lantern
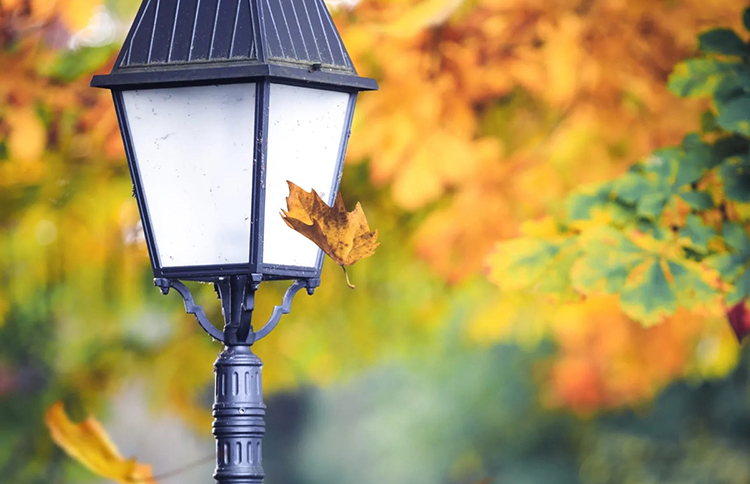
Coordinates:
[220,102]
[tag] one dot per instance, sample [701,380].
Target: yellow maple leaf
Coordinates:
[344,236]
[88,443]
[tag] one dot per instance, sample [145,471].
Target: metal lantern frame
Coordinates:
[187,43]
[212,272]
[147,63]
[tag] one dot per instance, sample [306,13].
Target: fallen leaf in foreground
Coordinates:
[88,443]
[344,236]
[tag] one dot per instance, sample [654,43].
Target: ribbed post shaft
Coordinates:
[239,417]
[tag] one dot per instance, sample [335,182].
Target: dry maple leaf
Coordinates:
[344,236]
[88,443]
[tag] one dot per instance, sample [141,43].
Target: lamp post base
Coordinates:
[239,416]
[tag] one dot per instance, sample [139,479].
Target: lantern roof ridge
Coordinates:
[246,37]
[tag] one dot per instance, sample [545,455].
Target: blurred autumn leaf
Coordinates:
[89,444]
[344,236]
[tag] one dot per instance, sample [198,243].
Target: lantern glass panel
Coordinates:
[307,129]
[194,153]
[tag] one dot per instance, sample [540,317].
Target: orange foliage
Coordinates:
[38,30]
[607,360]
[514,103]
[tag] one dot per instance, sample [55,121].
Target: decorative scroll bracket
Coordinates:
[190,307]
[246,334]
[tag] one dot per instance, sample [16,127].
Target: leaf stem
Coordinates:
[348,283]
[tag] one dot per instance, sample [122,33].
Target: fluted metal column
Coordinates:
[239,411]
[239,417]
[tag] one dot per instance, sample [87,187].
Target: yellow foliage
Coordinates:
[514,316]
[89,444]
[28,135]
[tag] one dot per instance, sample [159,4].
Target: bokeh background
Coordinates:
[543,308]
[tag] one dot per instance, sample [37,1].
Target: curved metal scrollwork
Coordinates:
[278,311]
[284,308]
[190,307]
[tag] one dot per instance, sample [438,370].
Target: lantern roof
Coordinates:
[189,42]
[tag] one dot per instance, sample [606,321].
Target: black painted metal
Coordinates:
[212,73]
[180,31]
[175,43]
[284,308]
[135,177]
[239,416]
[213,272]
[189,42]
[239,411]
[262,107]
[190,307]
[237,295]
[205,273]
[303,31]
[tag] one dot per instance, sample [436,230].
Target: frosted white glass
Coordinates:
[305,133]
[194,151]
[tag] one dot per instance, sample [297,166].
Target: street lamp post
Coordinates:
[220,102]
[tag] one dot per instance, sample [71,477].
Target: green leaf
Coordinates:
[662,165]
[580,204]
[518,264]
[708,122]
[607,260]
[647,227]
[556,278]
[631,187]
[651,205]
[697,234]
[735,116]
[699,155]
[735,175]
[746,18]
[735,236]
[722,41]
[728,88]
[692,168]
[647,296]
[731,265]
[730,146]
[697,200]
[689,285]
[696,77]
[741,289]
